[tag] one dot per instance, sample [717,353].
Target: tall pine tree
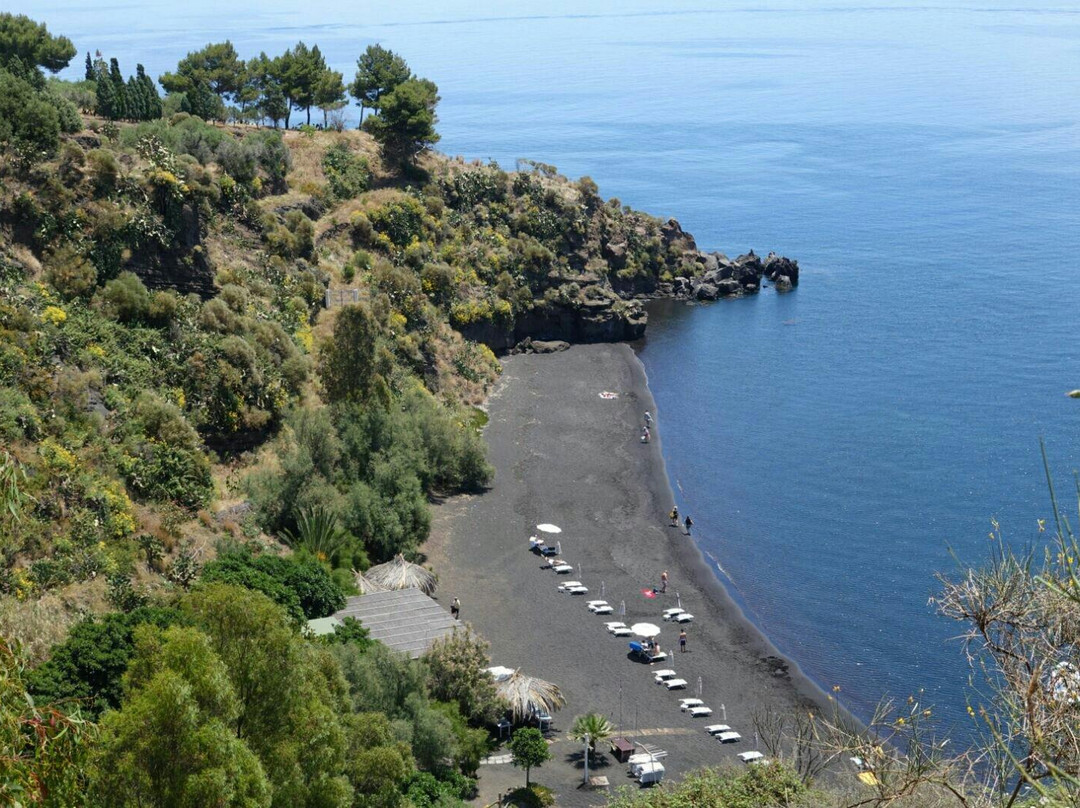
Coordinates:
[90,74]
[119,90]
[151,100]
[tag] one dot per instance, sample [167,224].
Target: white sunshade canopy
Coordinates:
[547,527]
[645,629]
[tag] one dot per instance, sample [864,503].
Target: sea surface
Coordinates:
[920,159]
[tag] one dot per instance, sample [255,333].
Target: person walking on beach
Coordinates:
[682,641]
[674,516]
[663,581]
[689,523]
[455,608]
[648,418]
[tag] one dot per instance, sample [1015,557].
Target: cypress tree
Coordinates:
[106,96]
[90,74]
[136,106]
[120,103]
[152,109]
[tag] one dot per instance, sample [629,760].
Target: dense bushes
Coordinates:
[301,586]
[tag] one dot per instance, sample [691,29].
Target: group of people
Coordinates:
[674,517]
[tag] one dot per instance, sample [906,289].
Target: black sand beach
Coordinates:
[565,455]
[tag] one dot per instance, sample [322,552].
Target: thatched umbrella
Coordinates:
[402,574]
[527,695]
[365,584]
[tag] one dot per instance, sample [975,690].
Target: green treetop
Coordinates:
[405,125]
[216,65]
[27,46]
[378,72]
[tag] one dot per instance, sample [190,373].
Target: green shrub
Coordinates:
[70,273]
[104,170]
[29,120]
[125,298]
[347,174]
[400,220]
[303,587]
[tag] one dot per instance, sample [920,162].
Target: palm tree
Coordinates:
[317,531]
[593,725]
[528,695]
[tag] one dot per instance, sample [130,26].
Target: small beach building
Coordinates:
[406,620]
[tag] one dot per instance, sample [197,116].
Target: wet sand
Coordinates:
[565,455]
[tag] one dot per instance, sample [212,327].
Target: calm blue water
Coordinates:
[919,159]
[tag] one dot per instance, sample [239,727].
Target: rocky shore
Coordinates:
[606,307]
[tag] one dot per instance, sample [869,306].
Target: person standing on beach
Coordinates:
[663,581]
[455,608]
[648,418]
[689,523]
[682,641]
[645,434]
[674,516]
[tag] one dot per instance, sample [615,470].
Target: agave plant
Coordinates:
[317,532]
[593,725]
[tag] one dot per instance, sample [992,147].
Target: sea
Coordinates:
[841,445]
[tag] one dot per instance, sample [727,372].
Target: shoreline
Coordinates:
[564,455]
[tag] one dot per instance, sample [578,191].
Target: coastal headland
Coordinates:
[566,455]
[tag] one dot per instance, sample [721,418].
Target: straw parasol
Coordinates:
[365,584]
[402,574]
[527,695]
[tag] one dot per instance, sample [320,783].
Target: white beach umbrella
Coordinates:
[622,608]
[549,528]
[558,548]
[699,687]
[678,600]
[602,589]
[645,629]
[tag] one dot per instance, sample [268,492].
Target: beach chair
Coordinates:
[662,676]
[563,587]
[563,569]
[622,631]
[700,711]
[614,624]
[592,603]
[728,737]
[752,757]
[577,590]
[659,657]
[675,684]
[603,610]
[683,617]
[686,704]
[716,729]
[669,613]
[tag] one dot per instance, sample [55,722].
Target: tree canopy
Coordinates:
[405,125]
[378,72]
[27,46]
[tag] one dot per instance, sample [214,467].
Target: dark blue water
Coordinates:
[920,159]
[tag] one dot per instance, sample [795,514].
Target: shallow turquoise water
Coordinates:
[919,159]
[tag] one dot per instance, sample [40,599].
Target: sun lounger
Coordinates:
[728,737]
[683,617]
[716,729]
[603,610]
[577,590]
[751,757]
[624,631]
[686,704]
[564,586]
[669,613]
[675,684]
[614,624]
[660,657]
[698,712]
[638,758]
[591,603]
[563,569]
[661,676]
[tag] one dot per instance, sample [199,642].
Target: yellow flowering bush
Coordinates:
[54,315]
[57,459]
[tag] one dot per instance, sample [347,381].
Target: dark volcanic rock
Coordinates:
[777,266]
[728,287]
[706,291]
[672,233]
